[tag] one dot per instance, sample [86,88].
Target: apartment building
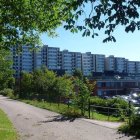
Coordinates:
[131,67]
[99,63]
[54,59]
[23,60]
[87,63]
[37,57]
[137,67]
[77,60]
[110,63]
[120,64]
[67,61]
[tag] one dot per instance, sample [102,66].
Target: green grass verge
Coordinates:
[71,111]
[7,131]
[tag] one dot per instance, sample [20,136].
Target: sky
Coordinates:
[127,44]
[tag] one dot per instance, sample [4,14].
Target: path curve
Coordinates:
[34,123]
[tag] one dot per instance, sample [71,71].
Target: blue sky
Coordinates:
[127,45]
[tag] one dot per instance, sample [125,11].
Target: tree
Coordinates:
[90,84]
[82,95]
[26,86]
[43,83]
[78,73]
[21,21]
[6,73]
[103,14]
[63,87]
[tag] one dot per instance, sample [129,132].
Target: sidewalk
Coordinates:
[112,125]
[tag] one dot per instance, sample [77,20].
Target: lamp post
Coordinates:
[117,77]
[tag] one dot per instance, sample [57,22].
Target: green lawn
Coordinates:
[7,131]
[63,109]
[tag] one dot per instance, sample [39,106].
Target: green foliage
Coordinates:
[78,73]
[89,84]
[122,107]
[26,85]
[7,92]
[63,87]
[103,15]
[6,73]
[81,96]
[69,111]
[23,21]
[133,128]
[44,84]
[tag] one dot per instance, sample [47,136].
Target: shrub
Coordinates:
[133,128]
[2,92]
[7,92]
[121,105]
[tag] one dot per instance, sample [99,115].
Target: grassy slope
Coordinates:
[63,109]
[7,131]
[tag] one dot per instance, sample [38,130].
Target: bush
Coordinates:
[7,92]
[2,92]
[133,128]
[121,105]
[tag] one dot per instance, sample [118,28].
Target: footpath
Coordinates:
[33,123]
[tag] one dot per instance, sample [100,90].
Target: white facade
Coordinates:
[37,58]
[120,64]
[99,63]
[110,63]
[131,67]
[87,63]
[54,59]
[67,61]
[77,60]
[23,60]
[27,59]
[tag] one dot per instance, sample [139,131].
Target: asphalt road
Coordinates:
[33,123]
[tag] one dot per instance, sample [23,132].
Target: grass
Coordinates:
[102,117]
[7,131]
[71,111]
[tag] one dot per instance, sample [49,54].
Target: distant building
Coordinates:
[23,60]
[87,63]
[137,67]
[110,63]
[67,61]
[120,64]
[131,67]
[60,61]
[99,63]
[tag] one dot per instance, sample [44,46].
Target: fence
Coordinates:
[110,111]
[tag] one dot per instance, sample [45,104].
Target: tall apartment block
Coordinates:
[54,59]
[110,63]
[137,67]
[67,61]
[99,63]
[23,60]
[131,67]
[87,63]
[120,64]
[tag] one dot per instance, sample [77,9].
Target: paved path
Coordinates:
[34,123]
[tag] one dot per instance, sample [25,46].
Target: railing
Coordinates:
[111,111]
